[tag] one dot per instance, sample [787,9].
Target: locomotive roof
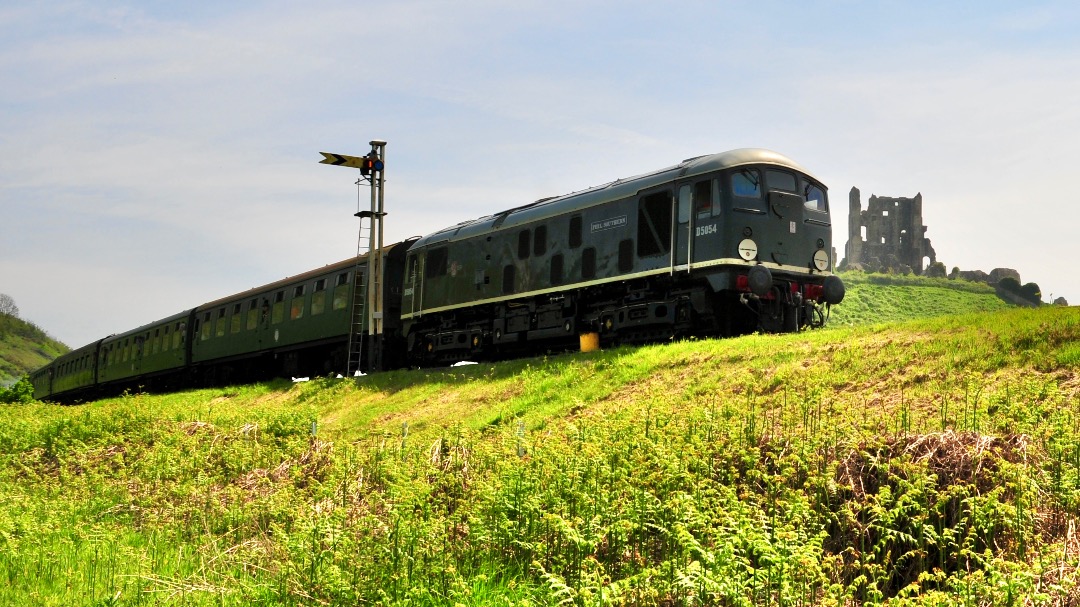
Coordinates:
[620,188]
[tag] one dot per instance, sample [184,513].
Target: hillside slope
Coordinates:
[877,298]
[23,348]
[929,462]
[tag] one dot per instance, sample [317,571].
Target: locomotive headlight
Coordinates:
[821,260]
[748,249]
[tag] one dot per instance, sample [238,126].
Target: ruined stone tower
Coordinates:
[888,235]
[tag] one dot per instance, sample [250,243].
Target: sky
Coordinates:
[158,155]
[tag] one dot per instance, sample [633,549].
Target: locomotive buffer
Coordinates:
[366,309]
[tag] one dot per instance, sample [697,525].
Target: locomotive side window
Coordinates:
[523,244]
[588,263]
[540,241]
[746,184]
[654,225]
[508,279]
[781,180]
[815,198]
[626,255]
[436,263]
[556,269]
[574,239]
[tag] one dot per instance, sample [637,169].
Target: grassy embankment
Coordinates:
[23,348]
[931,462]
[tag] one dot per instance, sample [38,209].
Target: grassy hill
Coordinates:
[23,348]
[877,298]
[927,462]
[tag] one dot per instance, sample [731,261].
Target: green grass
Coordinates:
[935,461]
[875,298]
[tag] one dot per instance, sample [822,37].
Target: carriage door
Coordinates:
[683,227]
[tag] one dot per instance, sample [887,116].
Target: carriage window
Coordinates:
[296,309]
[220,323]
[235,319]
[252,315]
[206,328]
[815,198]
[654,224]
[178,336]
[341,291]
[318,297]
[277,313]
[746,184]
[574,239]
[781,180]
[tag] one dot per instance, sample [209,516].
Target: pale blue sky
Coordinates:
[156,155]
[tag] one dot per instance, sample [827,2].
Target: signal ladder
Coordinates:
[358,323]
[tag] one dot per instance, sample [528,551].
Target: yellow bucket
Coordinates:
[590,342]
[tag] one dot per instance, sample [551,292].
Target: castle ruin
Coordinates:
[888,235]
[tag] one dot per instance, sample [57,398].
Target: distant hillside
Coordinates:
[23,348]
[879,298]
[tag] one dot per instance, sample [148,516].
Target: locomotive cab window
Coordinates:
[700,197]
[815,198]
[746,184]
[781,180]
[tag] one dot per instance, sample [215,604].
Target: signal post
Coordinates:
[371,168]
